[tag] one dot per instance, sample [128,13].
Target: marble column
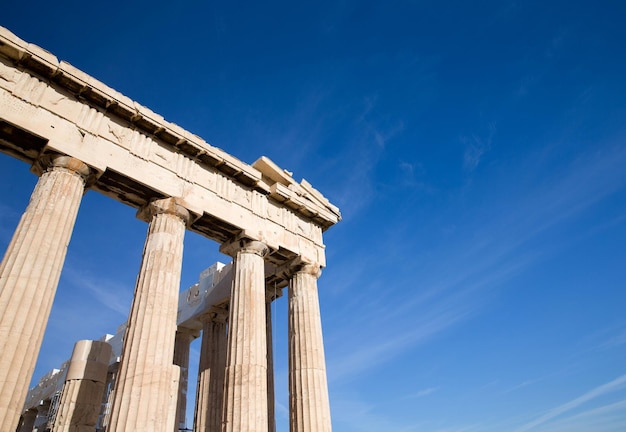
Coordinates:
[29,275]
[309,407]
[181,359]
[81,398]
[271,295]
[245,396]
[147,384]
[28,421]
[210,389]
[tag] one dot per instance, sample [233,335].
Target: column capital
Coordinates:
[51,161]
[314,269]
[220,314]
[187,332]
[215,313]
[297,265]
[244,245]
[170,206]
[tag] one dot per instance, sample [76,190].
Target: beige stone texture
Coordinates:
[29,275]
[309,407]
[112,133]
[210,390]
[134,156]
[82,394]
[147,385]
[245,397]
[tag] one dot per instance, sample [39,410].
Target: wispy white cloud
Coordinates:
[299,135]
[281,410]
[362,154]
[606,418]
[609,417]
[411,175]
[530,382]
[356,358]
[109,293]
[382,135]
[476,146]
[421,393]
[484,255]
[614,385]
[358,416]
[494,244]
[615,341]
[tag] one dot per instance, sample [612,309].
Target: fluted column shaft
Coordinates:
[210,390]
[181,359]
[29,275]
[81,398]
[147,384]
[245,398]
[309,407]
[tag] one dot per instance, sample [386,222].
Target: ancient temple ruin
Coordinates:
[78,134]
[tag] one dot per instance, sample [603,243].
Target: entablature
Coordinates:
[301,198]
[47,105]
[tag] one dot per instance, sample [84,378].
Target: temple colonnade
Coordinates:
[235,391]
[80,135]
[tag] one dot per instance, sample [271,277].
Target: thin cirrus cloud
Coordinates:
[109,293]
[421,393]
[444,299]
[357,357]
[476,146]
[571,191]
[617,384]
[606,418]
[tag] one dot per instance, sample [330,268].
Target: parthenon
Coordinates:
[79,135]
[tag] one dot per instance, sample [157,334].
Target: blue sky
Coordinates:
[477,151]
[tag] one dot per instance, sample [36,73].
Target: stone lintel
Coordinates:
[272,294]
[137,156]
[136,181]
[45,65]
[40,63]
